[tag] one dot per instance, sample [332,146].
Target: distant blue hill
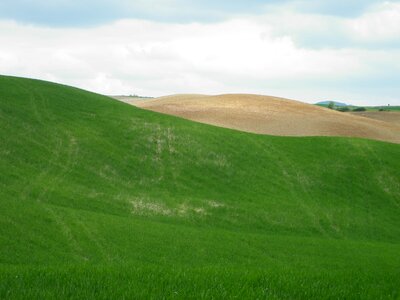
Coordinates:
[336,103]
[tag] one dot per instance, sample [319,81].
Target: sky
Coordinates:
[309,50]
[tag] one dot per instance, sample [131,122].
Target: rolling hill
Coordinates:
[100,199]
[326,103]
[271,115]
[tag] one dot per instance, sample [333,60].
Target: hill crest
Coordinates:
[271,115]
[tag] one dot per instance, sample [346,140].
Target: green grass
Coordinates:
[385,108]
[368,108]
[100,199]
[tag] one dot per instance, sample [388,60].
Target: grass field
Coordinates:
[385,108]
[370,108]
[100,199]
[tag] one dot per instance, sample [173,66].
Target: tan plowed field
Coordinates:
[387,116]
[272,115]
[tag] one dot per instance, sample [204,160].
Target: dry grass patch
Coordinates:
[147,207]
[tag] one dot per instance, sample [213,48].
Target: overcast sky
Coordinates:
[310,50]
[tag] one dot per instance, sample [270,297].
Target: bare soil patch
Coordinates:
[386,116]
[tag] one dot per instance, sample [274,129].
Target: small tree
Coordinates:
[331,105]
[359,109]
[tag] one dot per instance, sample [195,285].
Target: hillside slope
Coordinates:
[100,199]
[386,116]
[271,115]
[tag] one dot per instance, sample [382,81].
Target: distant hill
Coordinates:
[130,99]
[336,103]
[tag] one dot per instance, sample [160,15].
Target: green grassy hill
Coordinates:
[100,199]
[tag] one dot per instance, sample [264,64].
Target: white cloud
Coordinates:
[245,54]
[379,24]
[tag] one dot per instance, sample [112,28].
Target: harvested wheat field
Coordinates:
[386,116]
[271,115]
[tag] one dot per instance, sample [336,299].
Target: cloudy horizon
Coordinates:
[312,51]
